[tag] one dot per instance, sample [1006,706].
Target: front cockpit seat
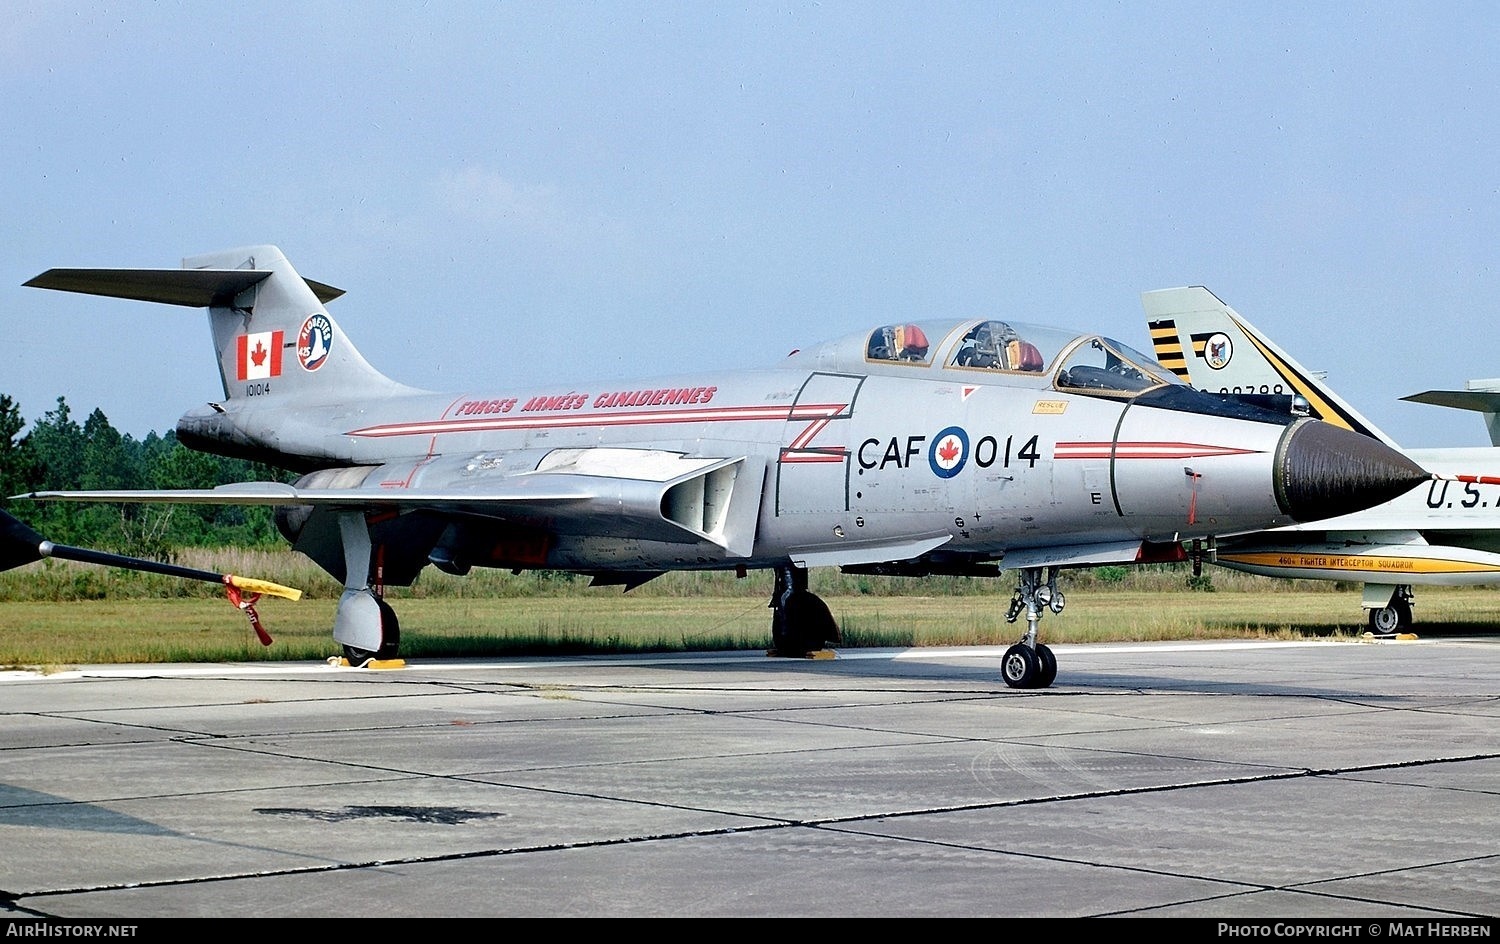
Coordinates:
[1026,356]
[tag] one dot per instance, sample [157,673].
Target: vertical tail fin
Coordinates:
[273,335]
[276,339]
[1210,346]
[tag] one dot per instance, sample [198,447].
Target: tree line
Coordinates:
[59,453]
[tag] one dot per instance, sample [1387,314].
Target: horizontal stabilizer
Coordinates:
[192,288]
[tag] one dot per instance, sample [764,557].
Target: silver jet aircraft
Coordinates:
[1442,535]
[954,447]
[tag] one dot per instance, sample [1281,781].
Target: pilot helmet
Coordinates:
[911,343]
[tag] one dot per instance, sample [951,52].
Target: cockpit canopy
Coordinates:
[997,346]
[903,342]
[1087,364]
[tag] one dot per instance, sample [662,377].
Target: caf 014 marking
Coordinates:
[948,453]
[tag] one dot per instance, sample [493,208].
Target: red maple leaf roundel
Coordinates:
[949,449]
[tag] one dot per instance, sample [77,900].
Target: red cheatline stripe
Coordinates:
[807,435]
[800,457]
[1144,450]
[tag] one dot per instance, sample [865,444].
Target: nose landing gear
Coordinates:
[1029,664]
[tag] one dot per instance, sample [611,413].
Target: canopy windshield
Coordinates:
[1087,364]
[1104,367]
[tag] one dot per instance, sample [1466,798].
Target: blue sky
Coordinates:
[543,193]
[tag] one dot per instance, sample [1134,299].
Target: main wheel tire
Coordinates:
[1385,621]
[1019,666]
[390,639]
[390,632]
[803,625]
[1403,615]
[1046,667]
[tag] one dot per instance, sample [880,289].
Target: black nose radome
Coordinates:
[1323,471]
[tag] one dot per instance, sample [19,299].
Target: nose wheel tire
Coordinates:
[1019,666]
[1025,667]
[1046,667]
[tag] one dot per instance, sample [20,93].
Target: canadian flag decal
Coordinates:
[260,355]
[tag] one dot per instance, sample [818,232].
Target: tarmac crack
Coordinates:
[834,824]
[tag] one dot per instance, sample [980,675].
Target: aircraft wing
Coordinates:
[1480,401]
[577,507]
[717,502]
[1396,521]
[277,493]
[629,494]
[1482,396]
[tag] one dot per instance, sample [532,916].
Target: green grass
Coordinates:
[126,617]
[62,581]
[65,581]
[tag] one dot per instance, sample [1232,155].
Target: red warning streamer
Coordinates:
[246,603]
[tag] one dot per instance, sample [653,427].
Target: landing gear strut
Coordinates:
[800,620]
[1029,664]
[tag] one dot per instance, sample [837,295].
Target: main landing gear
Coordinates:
[364,624]
[1029,664]
[1394,615]
[800,621]
[388,627]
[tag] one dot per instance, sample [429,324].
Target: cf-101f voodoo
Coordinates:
[952,447]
